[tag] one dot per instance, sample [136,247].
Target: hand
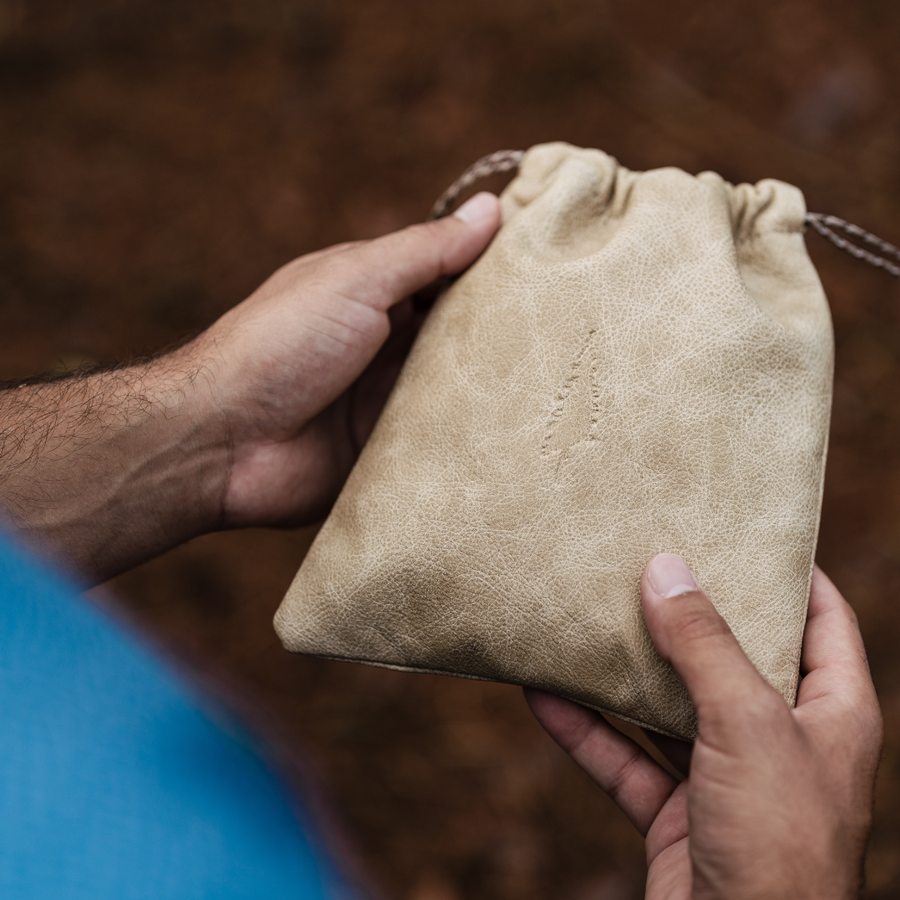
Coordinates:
[302,369]
[256,422]
[778,803]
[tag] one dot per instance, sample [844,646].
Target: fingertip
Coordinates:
[668,575]
[532,696]
[469,230]
[483,208]
[826,601]
[544,704]
[665,580]
[564,720]
[823,593]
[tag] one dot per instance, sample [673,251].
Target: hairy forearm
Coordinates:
[110,468]
[255,422]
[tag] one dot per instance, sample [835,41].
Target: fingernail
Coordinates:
[477,208]
[670,576]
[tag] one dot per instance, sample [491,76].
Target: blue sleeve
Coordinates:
[113,784]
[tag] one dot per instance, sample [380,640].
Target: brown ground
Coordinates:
[158,160]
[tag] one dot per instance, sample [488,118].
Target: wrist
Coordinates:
[185,441]
[115,467]
[173,447]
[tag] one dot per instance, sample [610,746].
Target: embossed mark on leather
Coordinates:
[575,416]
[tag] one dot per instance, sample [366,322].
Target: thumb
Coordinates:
[690,634]
[401,263]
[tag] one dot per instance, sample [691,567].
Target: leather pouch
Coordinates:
[639,363]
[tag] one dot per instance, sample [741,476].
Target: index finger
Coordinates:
[833,659]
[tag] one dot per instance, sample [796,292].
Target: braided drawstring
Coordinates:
[508,161]
[825,225]
[492,164]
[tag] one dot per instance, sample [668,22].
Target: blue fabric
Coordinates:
[112,784]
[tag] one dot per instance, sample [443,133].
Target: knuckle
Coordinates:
[435,229]
[765,705]
[749,719]
[756,708]
[697,621]
[573,734]
[864,661]
[620,776]
[423,242]
[870,721]
[422,233]
[850,616]
[347,245]
[859,739]
[328,267]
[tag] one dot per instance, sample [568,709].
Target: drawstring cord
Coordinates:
[825,225]
[492,164]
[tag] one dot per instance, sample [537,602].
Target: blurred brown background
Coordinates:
[159,159]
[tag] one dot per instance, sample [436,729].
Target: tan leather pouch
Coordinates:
[639,363]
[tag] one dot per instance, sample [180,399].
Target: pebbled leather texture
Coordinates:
[639,363]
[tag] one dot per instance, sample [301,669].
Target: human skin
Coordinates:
[778,801]
[256,422]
